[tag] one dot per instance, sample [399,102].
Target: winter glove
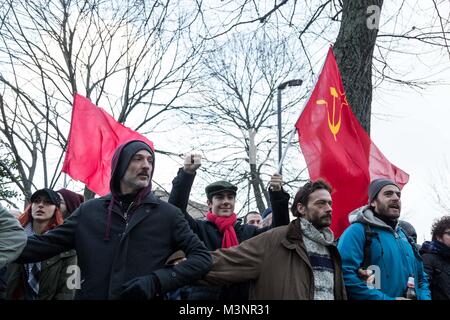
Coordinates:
[140,288]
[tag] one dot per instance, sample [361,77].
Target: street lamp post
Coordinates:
[290,83]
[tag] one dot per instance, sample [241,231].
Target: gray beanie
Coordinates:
[378,184]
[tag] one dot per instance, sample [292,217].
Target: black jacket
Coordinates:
[210,234]
[436,261]
[206,230]
[140,247]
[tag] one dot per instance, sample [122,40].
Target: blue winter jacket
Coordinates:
[390,251]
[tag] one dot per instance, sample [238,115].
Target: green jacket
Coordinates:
[12,237]
[52,282]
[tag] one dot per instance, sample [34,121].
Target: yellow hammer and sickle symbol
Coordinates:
[334,127]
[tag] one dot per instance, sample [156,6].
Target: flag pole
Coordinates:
[286,148]
[280,164]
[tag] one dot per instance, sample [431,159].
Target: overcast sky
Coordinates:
[411,128]
[416,138]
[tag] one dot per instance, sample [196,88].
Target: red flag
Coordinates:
[93,138]
[337,149]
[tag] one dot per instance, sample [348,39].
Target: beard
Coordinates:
[389,212]
[322,221]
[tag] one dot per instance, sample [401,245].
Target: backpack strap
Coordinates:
[369,234]
[413,246]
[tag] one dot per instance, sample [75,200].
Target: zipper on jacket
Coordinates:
[125,215]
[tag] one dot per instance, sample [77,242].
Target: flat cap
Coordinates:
[219,186]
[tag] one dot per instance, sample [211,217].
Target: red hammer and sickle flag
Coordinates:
[93,138]
[338,150]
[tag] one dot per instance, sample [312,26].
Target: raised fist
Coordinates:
[192,162]
[276,181]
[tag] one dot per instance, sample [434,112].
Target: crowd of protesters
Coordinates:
[131,245]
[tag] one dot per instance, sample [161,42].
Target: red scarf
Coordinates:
[226,227]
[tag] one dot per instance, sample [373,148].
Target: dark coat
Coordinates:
[437,266]
[277,264]
[138,248]
[206,230]
[52,279]
[212,238]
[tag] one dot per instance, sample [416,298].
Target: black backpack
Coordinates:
[369,235]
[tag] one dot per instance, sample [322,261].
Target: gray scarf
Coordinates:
[316,243]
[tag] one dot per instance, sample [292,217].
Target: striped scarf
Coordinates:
[320,259]
[33,269]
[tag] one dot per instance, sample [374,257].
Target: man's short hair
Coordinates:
[251,212]
[439,227]
[303,193]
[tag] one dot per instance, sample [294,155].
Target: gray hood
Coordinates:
[365,215]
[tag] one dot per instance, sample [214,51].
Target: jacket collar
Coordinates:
[150,198]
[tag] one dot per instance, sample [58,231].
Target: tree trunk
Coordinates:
[354,51]
[254,181]
[88,194]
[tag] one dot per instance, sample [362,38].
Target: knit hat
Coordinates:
[408,228]
[378,184]
[219,186]
[49,193]
[127,153]
[266,212]
[121,159]
[72,200]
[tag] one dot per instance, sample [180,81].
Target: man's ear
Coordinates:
[301,209]
[209,203]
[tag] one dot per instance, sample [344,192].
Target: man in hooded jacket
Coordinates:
[392,256]
[124,238]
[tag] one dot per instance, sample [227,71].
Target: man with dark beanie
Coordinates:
[124,238]
[374,240]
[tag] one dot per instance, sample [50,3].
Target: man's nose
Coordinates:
[146,165]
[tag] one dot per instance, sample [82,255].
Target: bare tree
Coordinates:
[131,56]
[235,109]
[363,53]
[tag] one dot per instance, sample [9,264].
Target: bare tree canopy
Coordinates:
[131,57]
[213,66]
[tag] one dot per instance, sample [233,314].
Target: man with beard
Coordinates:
[294,262]
[124,238]
[375,240]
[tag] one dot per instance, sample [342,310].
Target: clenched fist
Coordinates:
[276,181]
[192,162]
